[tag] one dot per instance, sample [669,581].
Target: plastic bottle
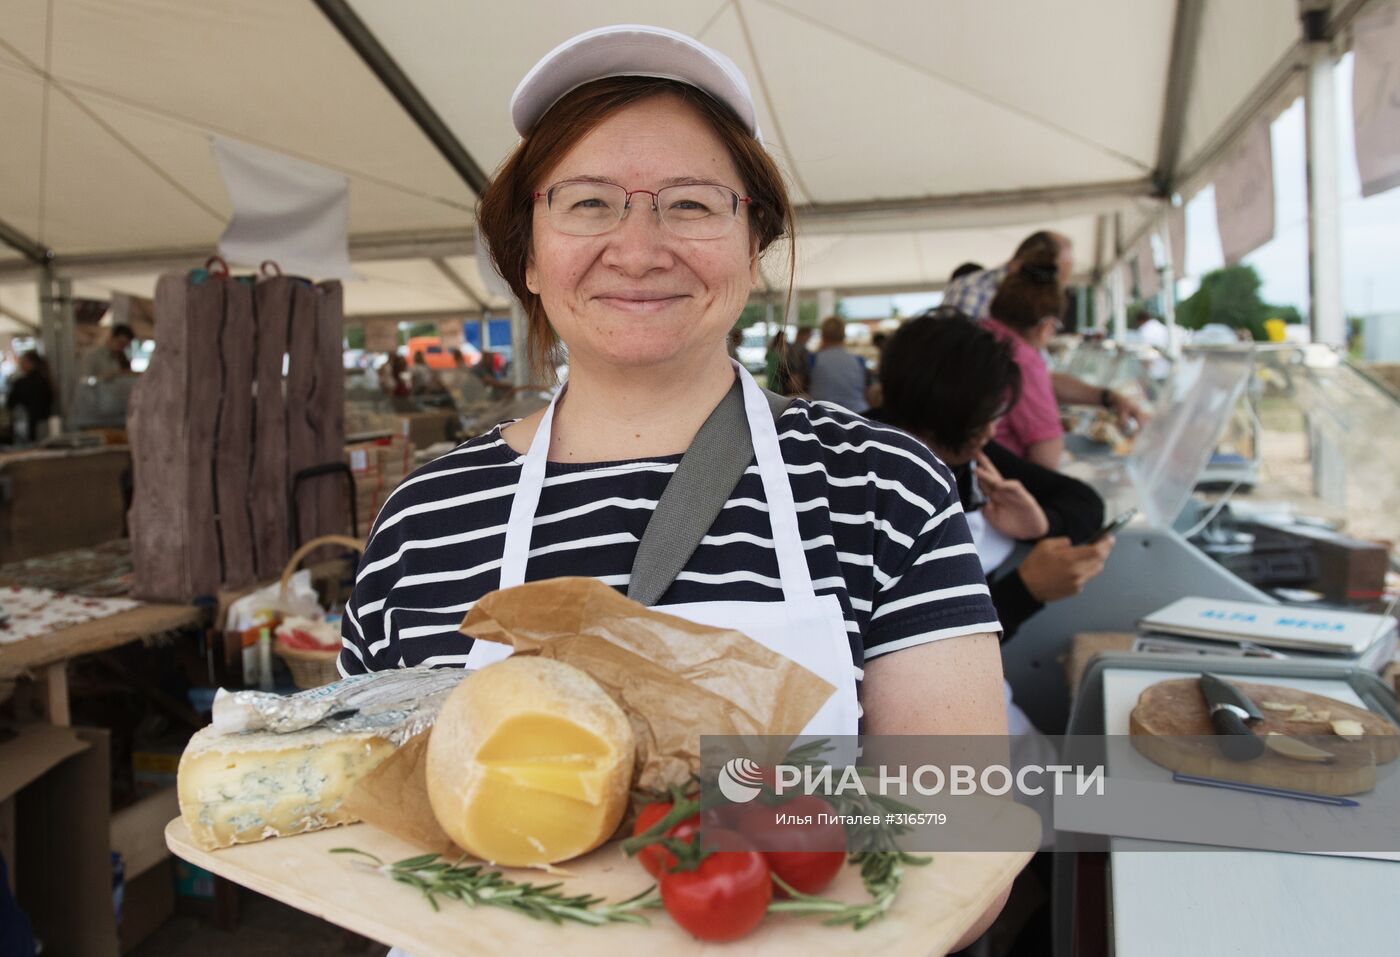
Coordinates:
[265,659]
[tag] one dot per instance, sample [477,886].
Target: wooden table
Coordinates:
[1086,646]
[48,654]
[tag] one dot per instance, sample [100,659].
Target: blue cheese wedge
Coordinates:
[247,787]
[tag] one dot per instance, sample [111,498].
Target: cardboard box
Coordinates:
[423,429]
[56,501]
[58,781]
[138,832]
[147,902]
[154,768]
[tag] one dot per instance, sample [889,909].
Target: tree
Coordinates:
[1230,296]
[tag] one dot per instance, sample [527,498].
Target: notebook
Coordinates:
[1322,630]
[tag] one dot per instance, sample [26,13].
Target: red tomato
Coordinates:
[807,854]
[654,857]
[725,897]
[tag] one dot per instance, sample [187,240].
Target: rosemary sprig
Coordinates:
[882,872]
[473,884]
[881,864]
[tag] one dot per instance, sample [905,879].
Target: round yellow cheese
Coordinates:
[529,763]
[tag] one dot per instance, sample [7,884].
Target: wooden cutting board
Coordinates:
[937,904]
[1171,727]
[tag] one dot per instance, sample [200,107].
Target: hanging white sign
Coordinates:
[1244,194]
[1375,98]
[286,210]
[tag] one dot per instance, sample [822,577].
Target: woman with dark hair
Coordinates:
[950,384]
[1026,313]
[32,391]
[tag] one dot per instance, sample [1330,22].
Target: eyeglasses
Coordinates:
[688,211]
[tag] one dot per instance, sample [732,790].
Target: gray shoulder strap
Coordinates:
[707,473]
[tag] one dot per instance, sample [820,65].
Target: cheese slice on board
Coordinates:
[529,763]
[240,788]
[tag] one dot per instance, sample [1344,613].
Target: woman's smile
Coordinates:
[638,302]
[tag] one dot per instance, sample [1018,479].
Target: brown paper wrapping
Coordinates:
[394,798]
[674,679]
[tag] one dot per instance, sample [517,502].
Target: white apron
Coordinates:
[810,630]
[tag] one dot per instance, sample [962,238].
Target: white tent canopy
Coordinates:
[916,134]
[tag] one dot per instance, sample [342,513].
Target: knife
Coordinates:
[1230,714]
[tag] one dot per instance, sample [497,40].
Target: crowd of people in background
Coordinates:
[417,381]
[970,380]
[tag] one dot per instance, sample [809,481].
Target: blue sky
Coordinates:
[1370,230]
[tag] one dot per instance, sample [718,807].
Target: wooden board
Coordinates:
[328,410]
[301,416]
[207,303]
[937,905]
[1171,726]
[234,441]
[156,424]
[268,484]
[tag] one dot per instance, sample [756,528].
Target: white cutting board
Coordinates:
[1169,903]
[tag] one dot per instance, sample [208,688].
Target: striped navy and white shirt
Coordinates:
[881,523]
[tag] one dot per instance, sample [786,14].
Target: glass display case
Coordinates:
[1265,458]
[1314,520]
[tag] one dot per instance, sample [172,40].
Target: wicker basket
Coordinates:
[311,669]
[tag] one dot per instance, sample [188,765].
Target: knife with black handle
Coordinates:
[1231,711]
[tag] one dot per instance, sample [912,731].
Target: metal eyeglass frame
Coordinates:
[548,195]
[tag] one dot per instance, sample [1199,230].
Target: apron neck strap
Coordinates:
[762,430]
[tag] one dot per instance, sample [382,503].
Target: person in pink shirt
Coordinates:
[1026,312]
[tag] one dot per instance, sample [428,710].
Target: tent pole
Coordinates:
[520,373]
[1186,41]
[1168,284]
[1119,292]
[31,250]
[1117,288]
[1324,212]
[363,41]
[56,325]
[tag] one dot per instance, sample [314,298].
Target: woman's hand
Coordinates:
[1130,415]
[1055,569]
[1010,509]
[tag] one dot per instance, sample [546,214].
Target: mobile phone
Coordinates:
[1114,526]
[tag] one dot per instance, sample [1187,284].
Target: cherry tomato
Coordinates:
[725,897]
[654,857]
[806,854]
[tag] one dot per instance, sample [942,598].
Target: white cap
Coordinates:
[630,49]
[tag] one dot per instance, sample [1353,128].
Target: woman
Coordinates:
[32,392]
[1026,313]
[950,383]
[629,221]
